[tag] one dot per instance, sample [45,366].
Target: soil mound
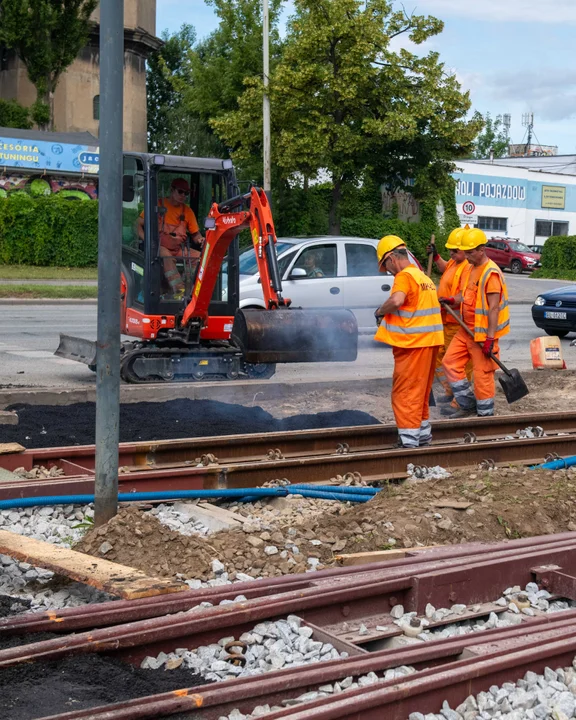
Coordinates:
[55,425]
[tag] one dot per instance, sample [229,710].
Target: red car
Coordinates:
[512,254]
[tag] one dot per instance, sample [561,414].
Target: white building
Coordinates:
[528,198]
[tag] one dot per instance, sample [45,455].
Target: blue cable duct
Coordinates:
[559,464]
[326,492]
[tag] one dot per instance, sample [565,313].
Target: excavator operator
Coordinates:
[175,223]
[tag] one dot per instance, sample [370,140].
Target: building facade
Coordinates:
[525,198]
[77,96]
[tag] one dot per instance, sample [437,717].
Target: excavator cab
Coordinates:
[147,183]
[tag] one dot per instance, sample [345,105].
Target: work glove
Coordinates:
[447,300]
[488,346]
[431,250]
[378,317]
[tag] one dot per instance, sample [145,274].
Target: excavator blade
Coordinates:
[296,335]
[79,349]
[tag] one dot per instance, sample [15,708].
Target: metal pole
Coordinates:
[266,103]
[109,258]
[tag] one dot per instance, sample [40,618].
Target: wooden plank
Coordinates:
[8,417]
[120,580]
[223,512]
[7,448]
[453,504]
[363,558]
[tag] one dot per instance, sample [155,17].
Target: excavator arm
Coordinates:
[225,221]
[279,334]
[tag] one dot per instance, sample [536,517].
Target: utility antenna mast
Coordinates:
[528,122]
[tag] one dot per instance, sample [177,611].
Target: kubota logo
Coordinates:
[134,321]
[229,220]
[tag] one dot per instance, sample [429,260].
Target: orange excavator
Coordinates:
[205,335]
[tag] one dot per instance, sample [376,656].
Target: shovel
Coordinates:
[512,383]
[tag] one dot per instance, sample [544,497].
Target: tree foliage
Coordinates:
[346,102]
[47,35]
[14,115]
[494,137]
[171,127]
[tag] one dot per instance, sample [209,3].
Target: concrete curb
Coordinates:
[243,392]
[94,301]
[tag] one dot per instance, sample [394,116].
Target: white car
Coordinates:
[323,272]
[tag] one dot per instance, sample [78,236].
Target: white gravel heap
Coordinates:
[551,696]
[347,684]
[60,525]
[269,646]
[538,600]
[422,472]
[180,522]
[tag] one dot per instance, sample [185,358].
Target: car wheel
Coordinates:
[559,333]
[516,267]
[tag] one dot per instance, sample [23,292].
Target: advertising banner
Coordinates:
[43,155]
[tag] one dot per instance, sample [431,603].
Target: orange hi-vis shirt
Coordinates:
[174,223]
[418,322]
[475,299]
[449,285]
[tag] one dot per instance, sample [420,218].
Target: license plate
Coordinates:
[555,315]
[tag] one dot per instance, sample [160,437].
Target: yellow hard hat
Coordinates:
[453,242]
[387,244]
[471,239]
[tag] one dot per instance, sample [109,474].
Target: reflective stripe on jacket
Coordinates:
[414,326]
[481,311]
[449,285]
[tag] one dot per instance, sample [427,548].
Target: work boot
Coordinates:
[456,413]
[443,399]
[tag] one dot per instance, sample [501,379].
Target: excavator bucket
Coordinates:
[296,335]
[79,349]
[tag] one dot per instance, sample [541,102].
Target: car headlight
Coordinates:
[530,261]
[539,301]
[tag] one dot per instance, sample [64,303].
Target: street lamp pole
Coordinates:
[266,102]
[109,259]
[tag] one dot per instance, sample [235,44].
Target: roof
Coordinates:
[72,138]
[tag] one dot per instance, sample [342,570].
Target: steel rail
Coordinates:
[254,446]
[358,597]
[374,466]
[432,659]
[416,561]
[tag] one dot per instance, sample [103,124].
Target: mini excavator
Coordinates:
[205,335]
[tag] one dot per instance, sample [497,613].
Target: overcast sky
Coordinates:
[515,56]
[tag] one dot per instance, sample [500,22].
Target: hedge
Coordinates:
[559,254]
[48,231]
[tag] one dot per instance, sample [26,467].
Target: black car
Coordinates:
[555,311]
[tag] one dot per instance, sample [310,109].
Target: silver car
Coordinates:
[323,272]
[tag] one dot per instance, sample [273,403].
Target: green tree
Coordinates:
[217,69]
[14,115]
[170,128]
[47,35]
[345,102]
[494,137]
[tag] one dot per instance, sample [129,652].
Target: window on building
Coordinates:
[96,107]
[550,228]
[492,223]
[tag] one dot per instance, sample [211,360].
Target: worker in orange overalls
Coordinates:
[484,307]
[175,222]
[412,324]
[448,288]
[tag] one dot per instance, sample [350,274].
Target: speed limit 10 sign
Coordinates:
[468,207]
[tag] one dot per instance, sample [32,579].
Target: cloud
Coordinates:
[558,12]
[549,92]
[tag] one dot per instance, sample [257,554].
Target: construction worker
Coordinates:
[484,308]
[175,223]
[410,321]
[448,288]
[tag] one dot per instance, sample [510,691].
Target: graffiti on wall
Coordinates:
[408,206]
[37,185]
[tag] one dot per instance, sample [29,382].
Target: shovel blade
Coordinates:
[296,335]
[79,349]
[513,386]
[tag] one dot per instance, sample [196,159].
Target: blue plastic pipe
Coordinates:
[559,464]
[143,496]
[324,495]
[347,489]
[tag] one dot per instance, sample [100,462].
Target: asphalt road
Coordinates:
[29,335]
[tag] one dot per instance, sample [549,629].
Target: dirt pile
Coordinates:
[54,425]
[84,681]
[475,505]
